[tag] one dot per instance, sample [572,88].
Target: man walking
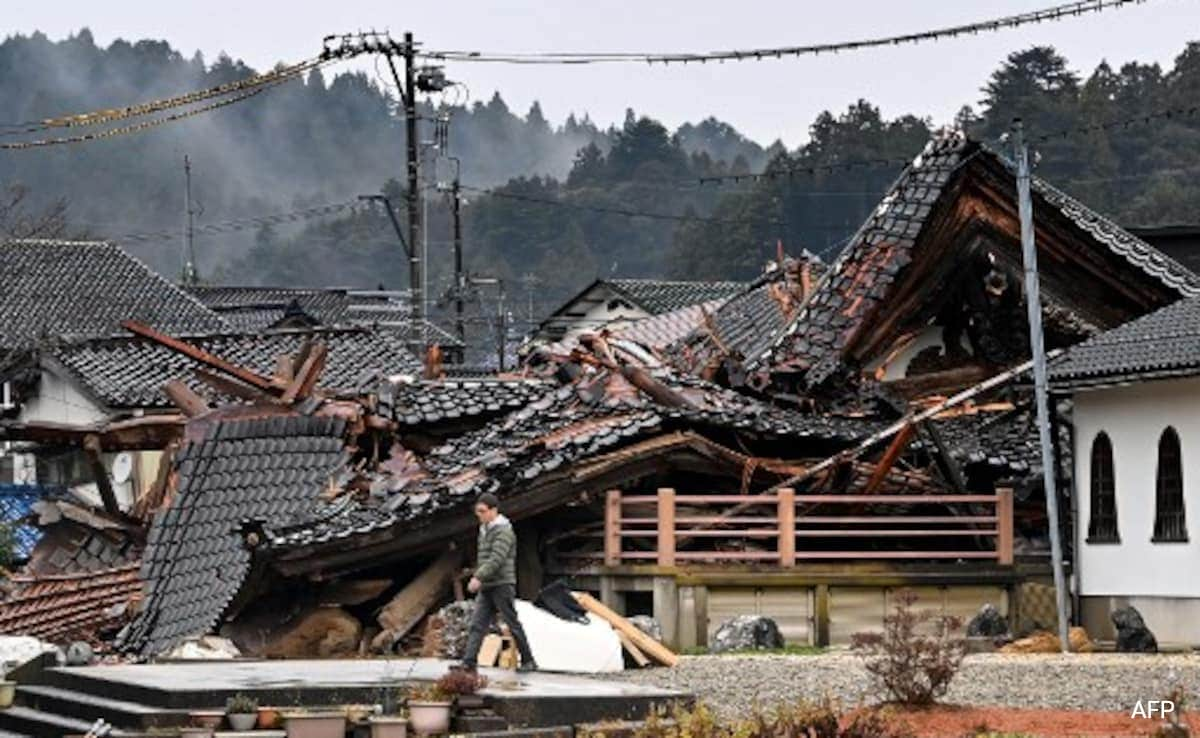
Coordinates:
[494,583]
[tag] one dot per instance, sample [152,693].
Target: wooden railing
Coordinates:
[652,528]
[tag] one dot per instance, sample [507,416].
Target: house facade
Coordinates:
[1136,419]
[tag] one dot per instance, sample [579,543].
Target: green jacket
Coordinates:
[497,553]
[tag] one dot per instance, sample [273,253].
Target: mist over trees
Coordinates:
[327,140]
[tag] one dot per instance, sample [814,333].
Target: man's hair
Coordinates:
[489,500]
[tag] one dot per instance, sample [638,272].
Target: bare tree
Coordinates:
[19,220]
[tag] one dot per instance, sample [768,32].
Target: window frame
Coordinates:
[1096,534]
[1170,507]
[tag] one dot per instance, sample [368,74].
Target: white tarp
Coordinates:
[560,645]
[16,650]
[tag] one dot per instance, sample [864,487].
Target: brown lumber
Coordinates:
[634,652]
[200,355]
[231,387]
[894,449]
[302,385]
[185,399]
[405,610]
[648,645]
[91,446]
[938,382]
[489,650]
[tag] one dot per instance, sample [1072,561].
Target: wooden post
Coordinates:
[787,526]
[612,528]
[1004,525]
[666,526]
[821,616]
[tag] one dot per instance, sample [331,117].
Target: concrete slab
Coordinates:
[535,699]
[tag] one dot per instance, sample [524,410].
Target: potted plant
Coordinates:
[242,711]
[210,719]
[429,710]
[463,687]
[394,725]
[305,724]
[269,718]
[8,691]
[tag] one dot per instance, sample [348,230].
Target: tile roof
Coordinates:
[242,471]
[130,372]
[565,425]
[72,289]
[1163,343]
[67,607]
[420,403]
[657,296]
[1006,441]
[860,280]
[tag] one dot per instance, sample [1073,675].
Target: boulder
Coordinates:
[1132,634]
[647,625]
[323,632]
[80,653]
[988,623]
[746,633]
[1046,642]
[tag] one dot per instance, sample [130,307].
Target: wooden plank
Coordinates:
[893,532]
[306,379]
[648,645]
[634,652]
[787,527]
[888,460]
[612,527]
[666,527]
[405,610]
[182,397]
[489,650]
[1004,538]
[91,448]
[897,499]
[895,519]
[703,520]
[200,355]
[722,533]
[729,499]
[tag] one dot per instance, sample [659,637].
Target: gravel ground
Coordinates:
[732,684]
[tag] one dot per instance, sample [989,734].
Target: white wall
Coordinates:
[59,401]
[897,368]
[1134,417]
[600,316]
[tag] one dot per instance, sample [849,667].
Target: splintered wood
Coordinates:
[647,645]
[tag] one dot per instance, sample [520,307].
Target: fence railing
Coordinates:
[780,528]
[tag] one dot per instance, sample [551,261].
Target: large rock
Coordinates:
[1132,634]
[1046,642]
[323,632]
[648,625]
[746,633]
[988,622]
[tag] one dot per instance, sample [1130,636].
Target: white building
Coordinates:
[1136,392]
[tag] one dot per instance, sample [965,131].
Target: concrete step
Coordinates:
[35,723]
[90,706]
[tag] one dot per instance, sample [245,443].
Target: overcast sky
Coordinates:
[765,100]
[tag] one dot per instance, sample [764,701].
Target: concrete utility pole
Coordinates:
[189,233]
[408,98]
[459,283]
[1034,304]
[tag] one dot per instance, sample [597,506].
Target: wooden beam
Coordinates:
[231,387]
[634,652]
[306,379]
[787,527]
[185,399]
[1004,514]
[648,645]
[91,447]
[894,449]
[666,527]
[612,528]
[411,604]
[198,354]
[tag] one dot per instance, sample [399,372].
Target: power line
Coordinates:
[241,224]
[1054,13]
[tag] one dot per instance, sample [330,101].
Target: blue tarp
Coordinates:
[16,503]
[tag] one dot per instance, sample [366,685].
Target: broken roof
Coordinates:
[65,607]
[658,296]
[129,372]
[85,289]
[239,470]
[1165,343]
[917,216]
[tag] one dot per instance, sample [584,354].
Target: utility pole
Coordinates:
[189,234]
[408,97]
[1034,306]
[459,281]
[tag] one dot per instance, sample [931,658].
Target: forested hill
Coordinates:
[561,211]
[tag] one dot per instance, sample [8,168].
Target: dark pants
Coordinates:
[489,601]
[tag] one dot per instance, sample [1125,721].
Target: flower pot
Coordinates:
[194,731]
[429,718]
[389,726]
[8,690]
[269,717]
[210,719]
[315,724]
[242,721]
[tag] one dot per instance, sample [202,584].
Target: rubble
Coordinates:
[1044,641]
[1132,633]
[988,623]
[746,633]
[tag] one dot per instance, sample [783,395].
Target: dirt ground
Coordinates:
[953,721]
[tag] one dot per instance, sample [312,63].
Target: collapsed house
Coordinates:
[797,447]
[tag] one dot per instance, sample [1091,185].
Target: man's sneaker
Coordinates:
[527,667]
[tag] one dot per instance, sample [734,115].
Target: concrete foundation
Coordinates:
[1175,621]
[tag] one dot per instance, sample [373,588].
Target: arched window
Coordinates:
[1169,522]
[1102,528]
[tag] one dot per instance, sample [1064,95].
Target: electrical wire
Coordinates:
[242,224]
[1053,13]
